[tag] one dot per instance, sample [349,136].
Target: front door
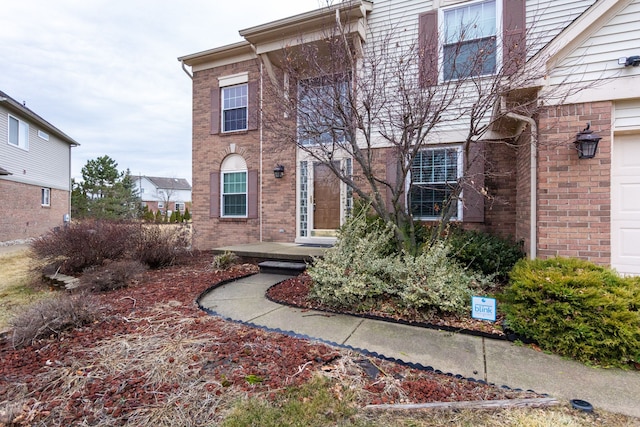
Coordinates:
[326,198]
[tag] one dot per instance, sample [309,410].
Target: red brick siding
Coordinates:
[22,214]
[574,202]
[278,196]
[523,189]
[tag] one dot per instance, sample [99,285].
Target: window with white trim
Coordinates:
[234,108]
[322,110]
[18,133]
[234,188]
[434,177]
[179,207]
[45,198]
[469,47]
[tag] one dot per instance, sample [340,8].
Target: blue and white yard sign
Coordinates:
[483,308]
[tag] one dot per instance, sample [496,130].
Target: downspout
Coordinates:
[186,71]
[533,160]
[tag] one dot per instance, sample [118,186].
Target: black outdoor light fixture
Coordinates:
[587,143]
[278,171]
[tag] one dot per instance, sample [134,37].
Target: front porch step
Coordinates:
[282,267]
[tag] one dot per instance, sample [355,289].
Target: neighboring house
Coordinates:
[166,195]
[546,196]
[35,172]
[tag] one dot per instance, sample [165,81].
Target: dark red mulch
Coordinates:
[236,353]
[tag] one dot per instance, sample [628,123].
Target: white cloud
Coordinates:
[106,72]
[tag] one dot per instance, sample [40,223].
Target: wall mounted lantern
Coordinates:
[587,143]
[278,171]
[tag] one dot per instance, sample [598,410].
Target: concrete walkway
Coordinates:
[495,361]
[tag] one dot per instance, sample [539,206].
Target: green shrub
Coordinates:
[358,268]
[112,276]
[486,253]
[52,316]
[362,269]
[434,281]
[575,308]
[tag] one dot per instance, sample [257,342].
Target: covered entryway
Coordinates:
[625,204]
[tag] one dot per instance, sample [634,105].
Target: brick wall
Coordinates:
[574,202]
[523,189]
[23,216]
[501,181]
[277,197]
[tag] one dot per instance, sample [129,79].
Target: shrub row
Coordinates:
[90,243]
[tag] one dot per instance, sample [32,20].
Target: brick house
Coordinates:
[163,194]
[35,172]
[535,187]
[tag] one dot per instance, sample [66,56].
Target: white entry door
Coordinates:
[625,204]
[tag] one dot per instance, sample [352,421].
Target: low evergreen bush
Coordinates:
[485,253]
[576,309]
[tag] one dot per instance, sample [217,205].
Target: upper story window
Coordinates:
[469,45]
[43,135]
[18,133]
[234,108]
[322,110]
[434,177]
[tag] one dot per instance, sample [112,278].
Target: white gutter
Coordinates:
[533,230]
[185,70]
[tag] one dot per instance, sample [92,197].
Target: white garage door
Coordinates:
[625,204]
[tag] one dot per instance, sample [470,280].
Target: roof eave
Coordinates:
[20,109]
[218,53]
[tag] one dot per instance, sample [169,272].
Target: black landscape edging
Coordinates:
[362,351]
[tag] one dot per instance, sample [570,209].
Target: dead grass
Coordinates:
[19,285]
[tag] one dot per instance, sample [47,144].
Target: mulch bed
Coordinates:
[153,349]
[294,292]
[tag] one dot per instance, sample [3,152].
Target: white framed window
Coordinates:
[434,177]
[323,115]
[43,135]
[18,133]
[234,108]
[469,45]
[160,205]
[45,198]
[234,187]
[179,207]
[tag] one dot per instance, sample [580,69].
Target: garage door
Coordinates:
[625,204]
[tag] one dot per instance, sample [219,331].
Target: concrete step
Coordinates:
[282,267]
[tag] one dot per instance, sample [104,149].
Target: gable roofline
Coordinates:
[271,35]
[23,110]
[308,22]
[220,53]
[576,33]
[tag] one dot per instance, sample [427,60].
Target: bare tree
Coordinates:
[382,102]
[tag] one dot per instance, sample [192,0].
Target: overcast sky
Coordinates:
[106,73]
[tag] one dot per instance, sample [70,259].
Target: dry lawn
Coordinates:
[19,286]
